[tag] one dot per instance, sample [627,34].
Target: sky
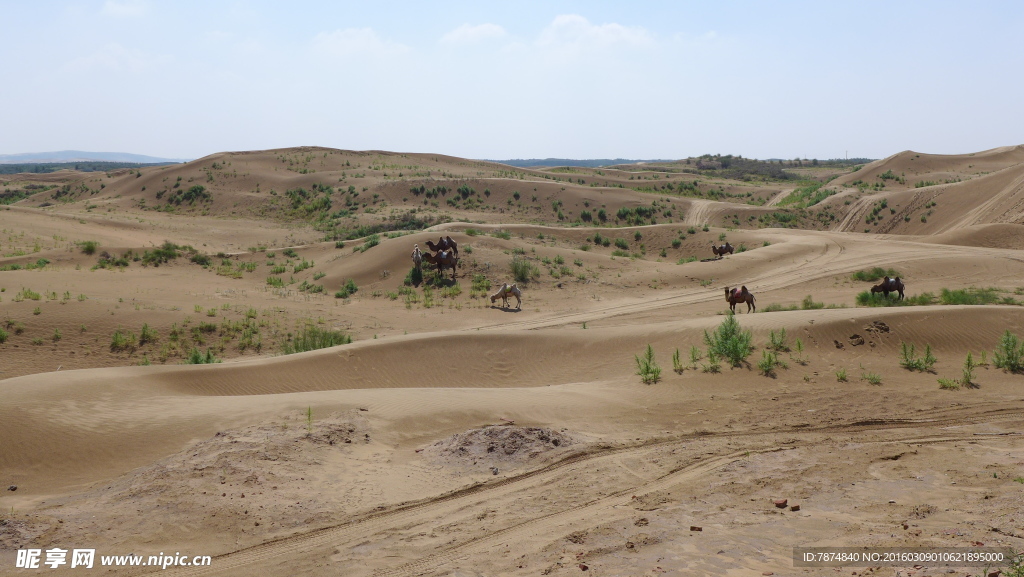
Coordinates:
[501,80]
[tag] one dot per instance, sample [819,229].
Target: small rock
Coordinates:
[781,503]
[640,522]
[583,567]
[856,340]
[905,526]
[892,501]
[995,573]
[12,488]
[768,573]
[696,528]
[794,507]
[494,470]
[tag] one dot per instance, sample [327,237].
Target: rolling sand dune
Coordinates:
[453,436]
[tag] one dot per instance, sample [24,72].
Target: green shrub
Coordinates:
[147,335]
[769,362]
[312,337]
[870,299]
[89,246]
[909,361]
[523,270]
[195,357]
[646,367]
[874,274]
[290,252]
[969,296]
[841,375]
[873,378]
[777,341]
[729,342]
[1009,355]
[347,290]
[677,364]
[621,243]
[122,341]
[201,259]
[275,281]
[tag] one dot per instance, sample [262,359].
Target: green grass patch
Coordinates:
[312,337]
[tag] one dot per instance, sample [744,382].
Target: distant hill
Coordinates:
[66,156]
[80,166]
[587,163]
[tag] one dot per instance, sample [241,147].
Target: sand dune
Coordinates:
[427,445]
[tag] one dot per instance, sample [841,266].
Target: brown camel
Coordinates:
[889,285]
[444,259]
[721,251]
[444,243]
[740,295]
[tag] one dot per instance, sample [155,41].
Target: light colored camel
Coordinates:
[504,292]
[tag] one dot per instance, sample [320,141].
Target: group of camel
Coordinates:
[447,256]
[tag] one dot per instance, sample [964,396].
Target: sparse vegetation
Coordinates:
[1009,354]
[523,270]
[729,341]
[873,274]
[312,337]
[910,361]
[646,367]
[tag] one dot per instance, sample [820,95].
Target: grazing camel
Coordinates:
[889,285]
[445,243]
[740,295]
[417,256]
[503,293]
[720,251]
[444,259]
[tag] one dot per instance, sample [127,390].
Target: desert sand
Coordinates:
[453,436]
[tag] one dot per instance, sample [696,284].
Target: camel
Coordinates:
[445,243]
[444,259]
[740,295]
[889,285]
[503,293]
[417,256]
[720,251]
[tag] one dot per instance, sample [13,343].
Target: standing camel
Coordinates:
[444,259]
[740,295]
[417,256]
[445,243]
[503,294]
[889,285]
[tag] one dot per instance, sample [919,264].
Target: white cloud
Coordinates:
[352,41]
[124,8]
[576,33]
[467,34]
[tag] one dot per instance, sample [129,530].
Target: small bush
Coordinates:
[729,341]
[769,362]
[1009,355]
[870,299]
[89,247]
[841,376]
[290,252]
[909,361]
[808,304]
[312,337]
[195,357]
[647,368]
[347,290]
[873,378]
[777,341]
[873,274]
[523,270]
[677,364]
[147,335]
[122,341]
[3,336]
[969,296]
[621,243]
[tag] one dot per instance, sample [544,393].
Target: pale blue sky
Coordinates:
[507,80]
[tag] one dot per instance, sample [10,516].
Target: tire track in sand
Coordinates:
[366,526]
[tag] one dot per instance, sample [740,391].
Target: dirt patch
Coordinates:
[499,446]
